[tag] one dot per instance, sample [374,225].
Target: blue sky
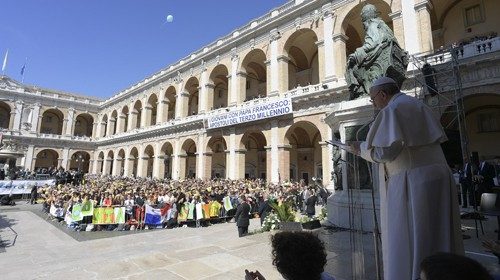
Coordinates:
[100,47]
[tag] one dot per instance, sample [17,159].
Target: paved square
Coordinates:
[36,248]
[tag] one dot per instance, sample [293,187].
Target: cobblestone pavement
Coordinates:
[33,247]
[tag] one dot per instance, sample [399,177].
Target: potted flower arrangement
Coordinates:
[286,216]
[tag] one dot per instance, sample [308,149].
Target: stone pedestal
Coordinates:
[352,207]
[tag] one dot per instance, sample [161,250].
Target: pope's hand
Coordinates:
[356,147]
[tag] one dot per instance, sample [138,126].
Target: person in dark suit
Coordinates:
[34,194]
[311,204]
[485,175]
[242,217]
[264,209]
[466,181]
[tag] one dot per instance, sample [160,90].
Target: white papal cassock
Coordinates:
[418,197]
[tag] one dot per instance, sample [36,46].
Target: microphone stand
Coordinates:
[376,230]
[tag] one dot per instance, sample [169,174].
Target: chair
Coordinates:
[490,206]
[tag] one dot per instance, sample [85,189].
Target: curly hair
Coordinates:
[298,255]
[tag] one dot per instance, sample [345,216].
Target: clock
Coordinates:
[433,100]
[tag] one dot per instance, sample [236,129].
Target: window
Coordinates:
[473,15]
[488,122]
[248,85]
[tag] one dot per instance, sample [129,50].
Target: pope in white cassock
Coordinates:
[418,199]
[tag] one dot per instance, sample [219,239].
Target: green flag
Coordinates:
[120,215]
[76,212]
[88,208]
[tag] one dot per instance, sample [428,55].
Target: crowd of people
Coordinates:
[135,193]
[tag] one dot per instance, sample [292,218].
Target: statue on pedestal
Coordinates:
[379,56]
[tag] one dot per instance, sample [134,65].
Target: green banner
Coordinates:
[76,212]
[108,215]
[119,215]
[88,208]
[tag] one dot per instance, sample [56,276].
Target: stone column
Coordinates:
[242,79]
[209,97]
[202,106]
[11,120]
[120,120]
[35,121]
[182,105]
[116,165]
[229,166]
[326,163]
[200,159]
[273,82]
[142,164]
[28,162]
[328,48]
[231,156]
[422,10]
[340,57]
[233,80]
[106,164]
[157,161]
[17,117]
[71,122]
[207,172]
[269,164]
[127,166]
[283,74]
[320,44]
[132,121]
[284,162]
[146,115]
[181,165]
[410,29]
[398,28]
[274,151]
[65,158]
[162,111]
[239,172]
[111,126]
[94,130]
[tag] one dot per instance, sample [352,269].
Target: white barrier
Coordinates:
[22,186]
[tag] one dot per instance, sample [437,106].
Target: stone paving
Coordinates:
[35,248]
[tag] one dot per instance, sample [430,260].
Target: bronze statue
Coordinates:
[379,56]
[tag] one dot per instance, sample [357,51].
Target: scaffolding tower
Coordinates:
[436,80]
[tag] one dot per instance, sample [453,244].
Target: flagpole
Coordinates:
[23,70]
[4,65]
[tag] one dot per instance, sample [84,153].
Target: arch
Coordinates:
[108,166]
[171,97]
[5,111]
[482,123]
[148,161]
[152,110]
[256,74]
[187,159]
[80,161]
[113,122]
[104,125]
[192,88]
[216,158]
[352,25]
[305,155]
[450,17]
[137,114]
[121,156]
[124,115]
[84,124]
[52,122]
[47,158]
[133,158]
[254,143]
[166,153]
[219,82]
[302,53]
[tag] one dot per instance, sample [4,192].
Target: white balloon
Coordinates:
[170,18]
